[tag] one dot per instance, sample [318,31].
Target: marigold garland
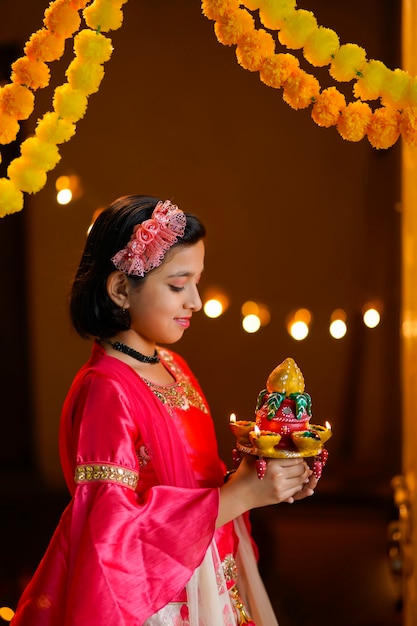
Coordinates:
[298,29]
[39,153]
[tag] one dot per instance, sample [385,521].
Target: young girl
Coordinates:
[153,534]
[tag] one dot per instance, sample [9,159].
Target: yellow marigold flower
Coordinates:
[61,18]
[353,123]
[348,62]
[395,89]
[321,46]
[328,107]
[26,176]
[17,101]
[273,13]
[408,126]
[277,69]
[300,90]
[11,198]
[369,85]
[92,46]
[298,28]
[69,103]
[384,128]
[218,9]
[253,48]
[42,154]
[103,15]
[45,46]
[54,129]
[9,127]
[230,28]
[30,73]
[85,77]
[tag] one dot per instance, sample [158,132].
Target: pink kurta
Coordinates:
[144,499]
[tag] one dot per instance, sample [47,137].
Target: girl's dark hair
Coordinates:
[92,312]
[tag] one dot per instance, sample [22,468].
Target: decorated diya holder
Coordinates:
[282,426]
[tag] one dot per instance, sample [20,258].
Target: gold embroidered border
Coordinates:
[115,473]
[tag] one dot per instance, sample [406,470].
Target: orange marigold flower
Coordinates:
[9,127]
[230,28]
[69,103]
[61,18]
[25,175]
[297,29]
[384,128]
[218,9]
[30,73]
[253,48]
[408,126]
[78,4]
[274,13]
[348,62]
[11,198]
[369,84]
[328,107]
[276,69]
[17,100]
[300,90]
[321,46]
[103,15]
[45,46]
[54,129]
[85,77]
[92,46]
[352,124]
[45,155]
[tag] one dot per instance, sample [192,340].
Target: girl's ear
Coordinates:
[117,289]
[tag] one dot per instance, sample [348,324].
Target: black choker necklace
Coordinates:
[121,347]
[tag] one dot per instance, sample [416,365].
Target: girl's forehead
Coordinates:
[187,259]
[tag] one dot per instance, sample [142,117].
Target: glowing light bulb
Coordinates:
[251,323]
[298,330]
[213,308]
[298,324]
[6,613]
[64,196]
[371,318]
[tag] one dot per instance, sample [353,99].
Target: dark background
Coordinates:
[296,216]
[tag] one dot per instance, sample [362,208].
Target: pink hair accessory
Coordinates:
[151,240]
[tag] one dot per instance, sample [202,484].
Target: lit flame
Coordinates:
[328,426]
[257,430]
[232,418]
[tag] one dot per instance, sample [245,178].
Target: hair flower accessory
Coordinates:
[151,240]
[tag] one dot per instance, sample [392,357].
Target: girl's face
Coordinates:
[161,309]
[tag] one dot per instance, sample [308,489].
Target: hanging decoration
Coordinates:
[39,153]
[394,115]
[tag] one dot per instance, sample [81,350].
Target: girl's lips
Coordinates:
[183,321]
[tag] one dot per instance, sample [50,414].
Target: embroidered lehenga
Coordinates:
[137,544]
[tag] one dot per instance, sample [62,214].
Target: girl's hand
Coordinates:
[285,480]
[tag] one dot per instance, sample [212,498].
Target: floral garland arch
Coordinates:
[235,25]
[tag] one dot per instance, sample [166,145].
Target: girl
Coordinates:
[153,534]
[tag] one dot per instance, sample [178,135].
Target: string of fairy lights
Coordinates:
[255,315]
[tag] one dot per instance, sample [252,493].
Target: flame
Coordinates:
[232,418]
[328,426]
[257,430]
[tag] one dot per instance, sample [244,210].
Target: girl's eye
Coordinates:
[175,288]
